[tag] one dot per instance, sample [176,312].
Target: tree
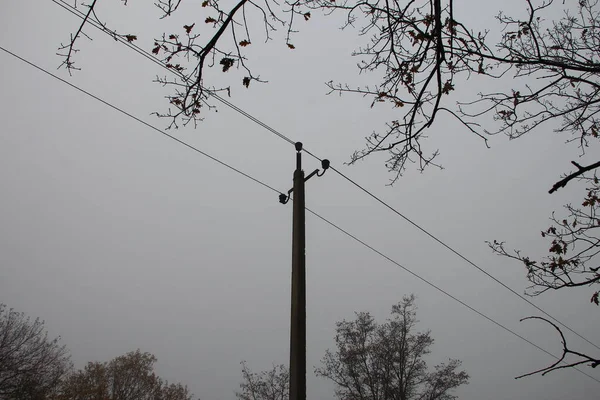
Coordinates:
[386,361]
[31,364]
[267,385]
[127,377]
[373,361]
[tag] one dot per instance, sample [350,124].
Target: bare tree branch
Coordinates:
[580,171]
[585,359]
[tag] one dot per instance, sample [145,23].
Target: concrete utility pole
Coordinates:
[298,311]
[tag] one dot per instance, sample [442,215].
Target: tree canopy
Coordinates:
[31,363]
[372,361]
[127,377]
[35,367]
[387,361]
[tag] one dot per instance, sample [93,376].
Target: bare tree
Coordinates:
[372,362]
[386,361]
[127,377]
[31,364]
[267,385]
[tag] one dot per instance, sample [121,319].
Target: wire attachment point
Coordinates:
[283,199]
[325,166]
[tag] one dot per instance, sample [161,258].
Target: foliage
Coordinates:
[127,377]
[31,364]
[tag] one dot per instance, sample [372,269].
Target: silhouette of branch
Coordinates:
[580,170]
[594,362]
[68,62]
[167,7]
[91,15]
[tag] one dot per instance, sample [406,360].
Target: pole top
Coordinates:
[298,146]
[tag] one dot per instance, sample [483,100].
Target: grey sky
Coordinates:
[121,238]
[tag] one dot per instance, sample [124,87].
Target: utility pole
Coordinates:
[298,309]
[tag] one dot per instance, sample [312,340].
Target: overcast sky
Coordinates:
[121,238]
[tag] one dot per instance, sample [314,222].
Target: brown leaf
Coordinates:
[291,46]
[244,43]
[177,67]
[204,3]
[306,16]
[448,86]
[210,20]
[130,38]
[188,28]
[156,49]
[595,299]
[246,81]
[226,63]
[172,37]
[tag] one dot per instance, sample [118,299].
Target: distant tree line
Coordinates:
[36,367]
[372,361]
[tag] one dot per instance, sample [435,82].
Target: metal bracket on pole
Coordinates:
[284,198]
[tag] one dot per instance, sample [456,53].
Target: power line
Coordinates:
[461,256]
[160,63]
[307,209]
[140,120]
[147,55]
[368,246]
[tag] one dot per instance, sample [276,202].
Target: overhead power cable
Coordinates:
[307,209]
[141,121]
[150,57]
[160,63]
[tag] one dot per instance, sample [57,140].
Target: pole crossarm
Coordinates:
[284,198]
